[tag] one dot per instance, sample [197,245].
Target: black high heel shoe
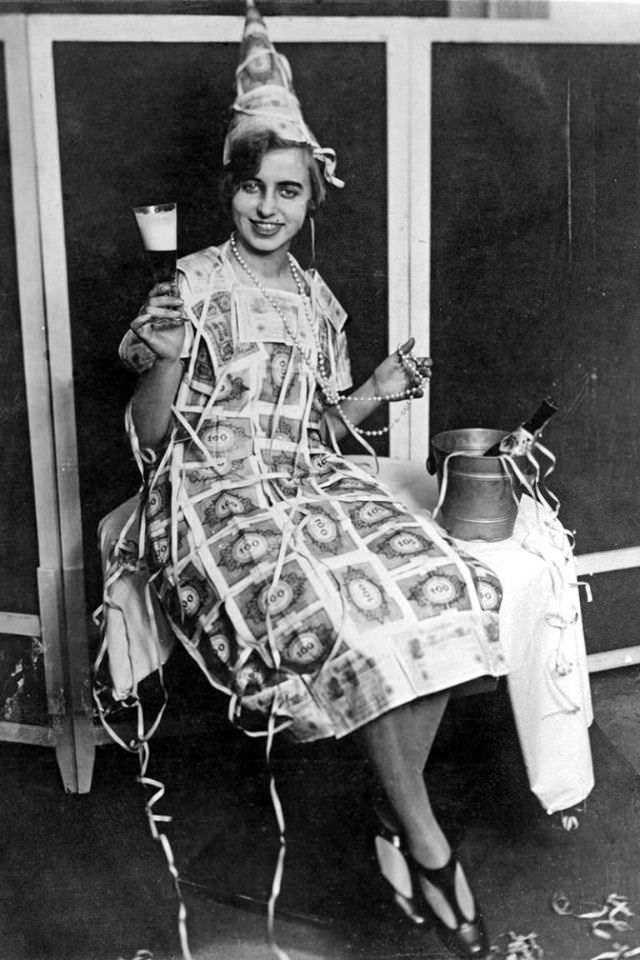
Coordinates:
[464,936]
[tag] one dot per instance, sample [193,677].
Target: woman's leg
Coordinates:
[397,746]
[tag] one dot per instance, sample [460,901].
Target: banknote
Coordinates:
[307,645]
[435,591]
[356,688]
[159,498]
[325,533]
[218,646]
[221,438]
[253,676]
[368,516]
[327,302]
[232,391]
[397,548]
[244,548]
[214,510]
[288,597]
[218,326]
[281,370]
[487,585]
[192,598]
[258,322]
[203,372]
[367,600]
[280,428]
[432,655]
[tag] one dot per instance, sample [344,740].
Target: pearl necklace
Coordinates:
[329,390]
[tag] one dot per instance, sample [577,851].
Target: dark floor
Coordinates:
[82,879]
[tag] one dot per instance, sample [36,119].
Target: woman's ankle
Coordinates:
[432,852]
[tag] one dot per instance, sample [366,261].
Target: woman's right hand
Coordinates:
[160,324]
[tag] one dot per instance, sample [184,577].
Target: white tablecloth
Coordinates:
[541,630]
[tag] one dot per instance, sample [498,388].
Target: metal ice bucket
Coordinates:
[481,495]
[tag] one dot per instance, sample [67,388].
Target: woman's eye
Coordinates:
[250,186]
[289,193]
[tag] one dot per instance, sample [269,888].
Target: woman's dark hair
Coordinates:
[247,154]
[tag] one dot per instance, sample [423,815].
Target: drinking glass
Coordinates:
[158,225]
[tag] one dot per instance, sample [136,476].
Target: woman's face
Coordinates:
[270,209]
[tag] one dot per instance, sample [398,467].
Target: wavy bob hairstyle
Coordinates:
[246,160]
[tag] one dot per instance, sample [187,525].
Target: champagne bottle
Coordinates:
[520,440]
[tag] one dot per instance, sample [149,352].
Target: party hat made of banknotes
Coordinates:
[265,97]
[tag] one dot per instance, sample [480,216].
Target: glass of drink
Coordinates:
[158,225]
[158,228]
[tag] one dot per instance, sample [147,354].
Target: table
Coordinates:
[541,629]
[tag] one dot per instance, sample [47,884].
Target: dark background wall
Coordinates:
[18,544]
[536,275]
[146,124]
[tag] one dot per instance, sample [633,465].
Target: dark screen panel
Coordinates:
[611,619]
[536,276]
[535,262]
[18,538]
[147,123]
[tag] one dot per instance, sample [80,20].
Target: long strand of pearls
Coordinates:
[406,360]
[329,389]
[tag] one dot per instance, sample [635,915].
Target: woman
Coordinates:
[292,576]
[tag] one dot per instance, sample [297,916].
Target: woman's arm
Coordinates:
[355,409]
[151,405]
[161,326]
[393,379]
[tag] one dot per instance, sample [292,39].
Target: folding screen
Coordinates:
[535,270]
[490,208]
[146,124]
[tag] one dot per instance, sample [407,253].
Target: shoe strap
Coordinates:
[444,880]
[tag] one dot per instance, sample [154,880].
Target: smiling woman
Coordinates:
[303,589]
[270,208]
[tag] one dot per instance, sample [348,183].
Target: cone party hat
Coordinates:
[265,97]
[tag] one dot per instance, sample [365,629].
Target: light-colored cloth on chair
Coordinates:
[548,684]
[137,636]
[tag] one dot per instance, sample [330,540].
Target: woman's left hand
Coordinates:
[402,375]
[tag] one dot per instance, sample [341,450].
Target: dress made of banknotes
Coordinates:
[296,581]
